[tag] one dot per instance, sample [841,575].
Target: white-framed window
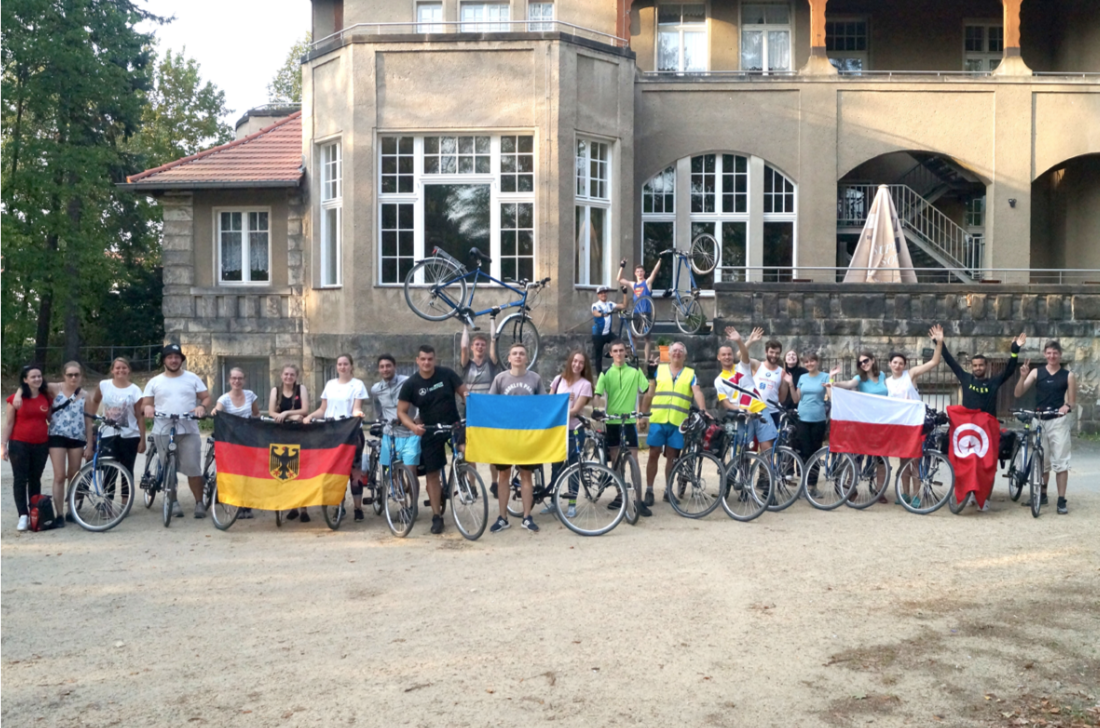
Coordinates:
[540,17]
[593,213]
[719,205]
[456,192]
[484,17]
[846,43]
[766,37]
[983,45]
[429,17]
[244,246]
[681,37]
[975,212]
[331,213]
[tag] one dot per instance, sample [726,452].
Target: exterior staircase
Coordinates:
[932,232]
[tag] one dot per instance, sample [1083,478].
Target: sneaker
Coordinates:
[904,497]
[200,510]
[664,496]
[571,511]
[882,499]
[305,516]
[548,510]
[615,504]
[1062,506]
[24,523]
[500,525]
[643,510]
[529,524]
[1042,499]
[984,507]
[177,510]
[246,514]
[648,497]
[68,517]
[59,522]
[493,490]
[437,524]
[359,515]
[915,502]
[292,514]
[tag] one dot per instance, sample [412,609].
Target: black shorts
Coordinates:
[433,453]
[528,468]
[622,433]
[66,442]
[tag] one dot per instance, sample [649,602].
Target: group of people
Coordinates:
[47,420]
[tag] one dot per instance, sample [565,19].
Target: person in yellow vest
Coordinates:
[676,388]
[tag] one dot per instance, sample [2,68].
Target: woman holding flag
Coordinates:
[344,397]
[239,402]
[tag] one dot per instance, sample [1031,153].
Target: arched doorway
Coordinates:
[1065,216]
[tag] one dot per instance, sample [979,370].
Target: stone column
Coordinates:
[177,250]
[818,62]
[754,255]
[1012,64]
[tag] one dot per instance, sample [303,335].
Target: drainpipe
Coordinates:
[818,62]
[1012,64]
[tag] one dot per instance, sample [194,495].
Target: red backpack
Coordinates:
[42,513]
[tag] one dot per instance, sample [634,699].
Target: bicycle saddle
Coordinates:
[475,253]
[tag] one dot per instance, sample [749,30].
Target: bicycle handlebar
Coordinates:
[184,416]
[1045,414]
[602,416]
[105,420]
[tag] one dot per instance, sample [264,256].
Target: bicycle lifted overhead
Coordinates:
[687,309]
[436,289]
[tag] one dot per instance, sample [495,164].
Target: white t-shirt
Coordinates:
[602,325]
[118,405]
[175,396]
[767,383]
[341,398]
[742,377]
[902,387]
[245,411]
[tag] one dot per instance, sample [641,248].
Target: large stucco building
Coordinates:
[563,136]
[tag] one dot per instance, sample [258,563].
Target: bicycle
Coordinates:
[97,482]
[222,514]
[837,471]
[169,473]
[152,476]
[464,489]
[748,478]
[590,499]
[872,477]
[398,493]
[932,470]
[435,289]
[701,259]
[1033,441]
[691,491]
[786,464]
[625,464]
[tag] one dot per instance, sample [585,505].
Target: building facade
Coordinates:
[561,137]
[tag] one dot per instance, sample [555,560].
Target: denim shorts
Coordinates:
[408,448]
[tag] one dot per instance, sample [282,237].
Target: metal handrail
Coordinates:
[1029,276]
[481,26]
[942,75]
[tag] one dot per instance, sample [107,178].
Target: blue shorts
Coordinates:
[763,429]
[665,435]
[407,447]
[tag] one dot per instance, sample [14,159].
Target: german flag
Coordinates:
[275,467]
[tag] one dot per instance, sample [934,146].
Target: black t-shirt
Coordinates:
[981,394]
[433,397]
[1050,389]
[796,373]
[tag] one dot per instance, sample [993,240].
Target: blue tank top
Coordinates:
[642,289]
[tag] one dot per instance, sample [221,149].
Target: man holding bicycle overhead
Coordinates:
[517,381]
[675,388]
[480,366]
[602,317]
[622,385]
[175,392]
[1055,392]
[431,392]
[642,285]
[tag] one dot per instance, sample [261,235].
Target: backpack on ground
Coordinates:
[42,513]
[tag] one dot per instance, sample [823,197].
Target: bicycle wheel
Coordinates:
[538,485]
[101,495]
[704,254]
[1035,480]
[830,477]
[695,485]
[209,479]
[375,479]
[222,514]
[1016,473]
[750,487]
[519,328]
[788,473]
[400,511]
[935,480]
[151,475]
[642,315]
[279,519]
[872,479]
[585,496]
[434,289]
[469,502]
[631,475]
[689,315]
[334,515]
[169,490]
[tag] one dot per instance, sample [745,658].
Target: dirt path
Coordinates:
[800,618]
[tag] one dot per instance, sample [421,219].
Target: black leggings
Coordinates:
[810,435]
[599,341]
[28,460]
[124,450]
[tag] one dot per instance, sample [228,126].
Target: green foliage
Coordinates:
[287,84]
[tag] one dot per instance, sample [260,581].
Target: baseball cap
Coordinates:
[604,289]
[172,349]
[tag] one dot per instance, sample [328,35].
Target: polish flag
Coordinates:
[867,424]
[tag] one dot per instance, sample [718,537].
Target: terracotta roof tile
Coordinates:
[270,157]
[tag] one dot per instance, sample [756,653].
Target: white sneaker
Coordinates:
[984,507]
[24,523]
[177,511]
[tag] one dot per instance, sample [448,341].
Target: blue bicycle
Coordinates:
[104,485]
[686,309]
[436,287]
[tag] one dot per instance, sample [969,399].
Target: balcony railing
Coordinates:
[828,274]
[431,30]
[941,76]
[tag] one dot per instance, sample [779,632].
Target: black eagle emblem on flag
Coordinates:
[283,461]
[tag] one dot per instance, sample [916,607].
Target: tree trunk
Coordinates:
[72,284]
[42,336]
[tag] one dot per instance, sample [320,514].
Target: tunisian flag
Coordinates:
[868,424]
[972,449]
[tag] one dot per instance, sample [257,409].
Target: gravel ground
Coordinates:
[800,618]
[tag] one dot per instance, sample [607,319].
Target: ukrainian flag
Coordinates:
[517,430]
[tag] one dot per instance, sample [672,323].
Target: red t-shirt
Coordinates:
[31,423]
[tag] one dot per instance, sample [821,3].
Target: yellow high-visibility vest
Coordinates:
[673,398]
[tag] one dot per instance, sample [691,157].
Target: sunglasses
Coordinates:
[72,374]
[864,361]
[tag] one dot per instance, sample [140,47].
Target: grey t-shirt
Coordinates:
[479,378]
[508,383]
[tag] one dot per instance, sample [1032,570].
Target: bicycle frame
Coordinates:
[473,277]
[681,262]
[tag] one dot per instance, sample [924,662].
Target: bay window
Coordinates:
[244,247]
